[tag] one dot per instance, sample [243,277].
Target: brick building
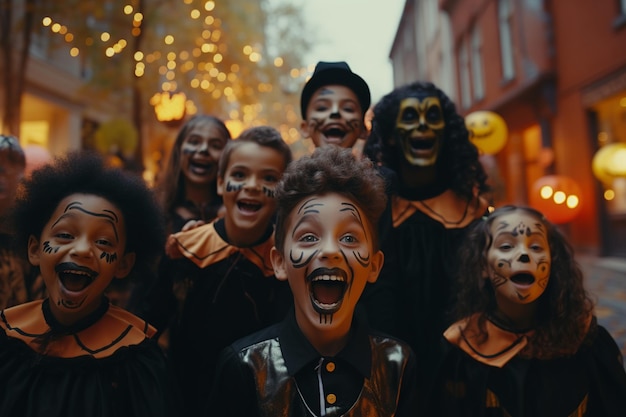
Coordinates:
[555,70]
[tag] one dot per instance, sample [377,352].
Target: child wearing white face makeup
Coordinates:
[322,359]
[333,104]
[73,353]
[526,342]
[221,273]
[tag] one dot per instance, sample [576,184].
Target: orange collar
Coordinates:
[497,350]
[204,246]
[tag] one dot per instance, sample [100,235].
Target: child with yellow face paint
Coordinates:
[526,342]
[434,183]
[322,359]
[333,104]
[83,225]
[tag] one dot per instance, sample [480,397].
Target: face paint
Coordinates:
[233,187]
[519,258]
[334,117]
[200,152]
[419,130]
[82,251]
[328,260]
[247,191]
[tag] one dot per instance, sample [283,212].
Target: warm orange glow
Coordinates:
[558,197]
[169,107]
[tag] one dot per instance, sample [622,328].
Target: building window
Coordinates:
[505,21]
[477,65]
[464,73]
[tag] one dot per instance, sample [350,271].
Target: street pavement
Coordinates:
[605,279]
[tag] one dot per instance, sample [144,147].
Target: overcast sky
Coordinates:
[359,32]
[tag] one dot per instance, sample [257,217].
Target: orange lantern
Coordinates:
[488,131]
[557,197]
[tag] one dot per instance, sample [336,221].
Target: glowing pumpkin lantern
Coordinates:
[557,197]
[488,131]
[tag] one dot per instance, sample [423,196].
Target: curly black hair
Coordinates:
[86,172]
[330,169]
[565,307]
[458,162]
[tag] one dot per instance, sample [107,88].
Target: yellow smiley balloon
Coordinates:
[488,131]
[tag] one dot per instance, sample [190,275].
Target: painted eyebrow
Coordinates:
[305,209]
[308,207]
[351,207]
[76,205]
[541,230]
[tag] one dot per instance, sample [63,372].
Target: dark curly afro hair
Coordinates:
[86,172]
[457,164]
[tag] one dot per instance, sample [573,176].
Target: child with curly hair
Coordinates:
[526,342]
[323,359]
[73,353]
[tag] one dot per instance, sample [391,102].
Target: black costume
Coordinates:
[277,371]
[412,295]
[106,365]
[493,380]
[223,293]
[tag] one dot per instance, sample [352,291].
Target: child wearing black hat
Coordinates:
[333,105]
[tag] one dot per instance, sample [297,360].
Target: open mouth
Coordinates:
[75,278]
[523,279]
[200,168]
[334,134]
[249,206]
[422,144]
[327,289]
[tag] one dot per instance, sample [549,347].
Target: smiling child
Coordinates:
[333,104]
[322,359]
[74,354]
[221,272]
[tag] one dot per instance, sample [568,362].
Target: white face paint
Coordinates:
[328,258]
[519,258]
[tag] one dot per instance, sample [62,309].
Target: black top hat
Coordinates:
[337,73]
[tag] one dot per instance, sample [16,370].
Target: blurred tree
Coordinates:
[239,60]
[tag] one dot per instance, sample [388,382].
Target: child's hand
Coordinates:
[171,248]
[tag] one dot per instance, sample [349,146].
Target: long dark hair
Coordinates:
[565,308]
[171,186]
[458,161]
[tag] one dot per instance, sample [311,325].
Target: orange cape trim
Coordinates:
[116,329]
[204,246]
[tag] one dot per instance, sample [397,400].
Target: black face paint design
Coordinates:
[233,187]
[108,214]
[269,192]
[521,229]
[110,257]
[363,260]
[49,249]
